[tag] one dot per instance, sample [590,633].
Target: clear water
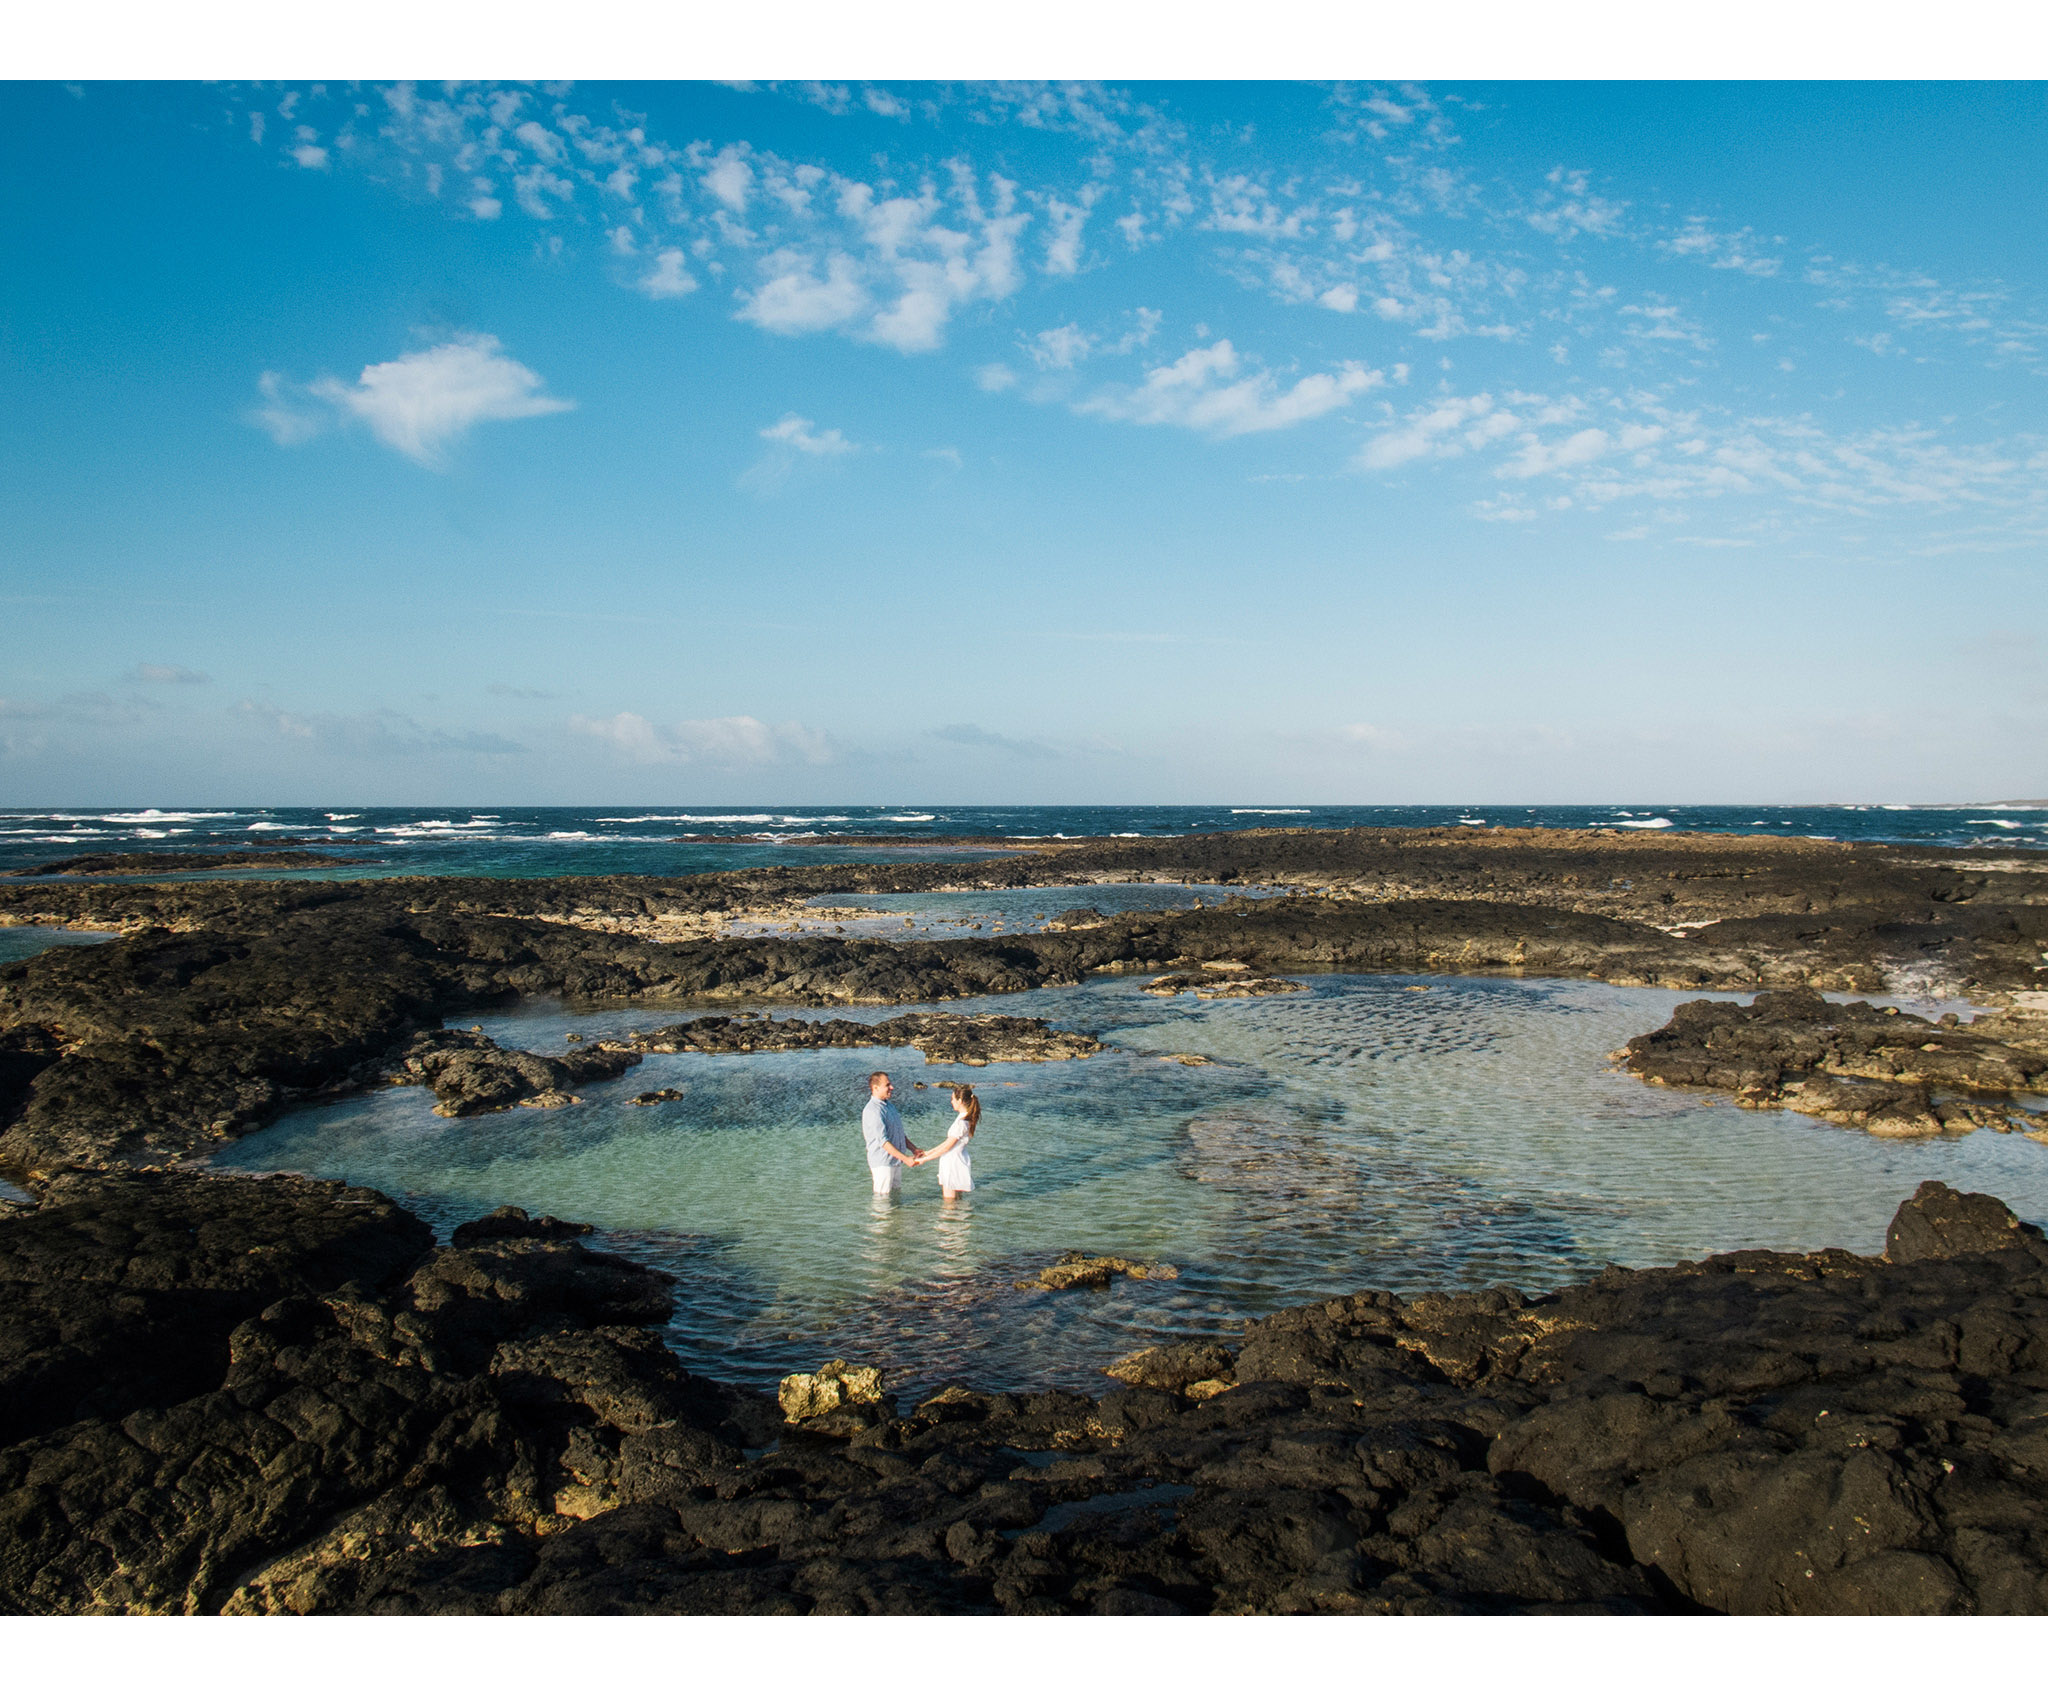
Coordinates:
[21,942]
[1389,1132]
[562,841]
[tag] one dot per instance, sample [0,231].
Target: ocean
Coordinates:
[656,840]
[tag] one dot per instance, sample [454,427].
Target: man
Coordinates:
[881,1126]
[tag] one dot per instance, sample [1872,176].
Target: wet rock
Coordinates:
[653,1096]
[1077,1270]
[1938,1222]
[1229,989]
[503,1222]
[1887,1072]
[1174,1366]
[469,1073]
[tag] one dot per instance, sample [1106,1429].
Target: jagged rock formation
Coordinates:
[469,1073]
[1886,1071]
[332,1415]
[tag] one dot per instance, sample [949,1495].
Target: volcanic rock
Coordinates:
[494,1428]
[1938,1223]
[469,1073]
[1878,1068]
[1076,1270]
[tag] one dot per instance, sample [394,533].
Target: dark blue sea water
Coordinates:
[649,840]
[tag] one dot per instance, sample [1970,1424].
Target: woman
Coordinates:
[956,1167]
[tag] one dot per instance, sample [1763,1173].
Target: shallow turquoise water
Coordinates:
[1361,1135]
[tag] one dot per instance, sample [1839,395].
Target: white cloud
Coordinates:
[949,456]
[287,422]
[731,179]
[728,742]
[796,300]
[148,673]
[1063,242]
[993,379]
[1534,458]
[1059,349]
[1212,390]
[801,434]
[420,403]
[1569,207]
[1725,250]
[1446,427]
[669,279]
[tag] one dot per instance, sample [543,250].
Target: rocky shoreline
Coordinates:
[230,1394]
[225,1002]
[279,1396]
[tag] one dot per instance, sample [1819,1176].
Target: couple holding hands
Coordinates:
[889,1150]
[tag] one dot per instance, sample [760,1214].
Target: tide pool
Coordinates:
[1375,1132]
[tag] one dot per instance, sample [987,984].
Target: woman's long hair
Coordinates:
[965,1101]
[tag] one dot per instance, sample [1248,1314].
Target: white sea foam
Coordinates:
[2003,824]
[154,815]
[578,836]
[344,815]
[261,826]
[1658,823]
[1271,809]
[908,818]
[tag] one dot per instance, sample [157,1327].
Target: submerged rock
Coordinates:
[1076,1270]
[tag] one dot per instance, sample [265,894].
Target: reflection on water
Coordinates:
[1388,1132]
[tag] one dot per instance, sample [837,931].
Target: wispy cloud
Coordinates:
[790,431]
[740,741]
[382,733]
[150,673]
[1217,391]
[973,736]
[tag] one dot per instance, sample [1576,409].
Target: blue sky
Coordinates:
[873,442]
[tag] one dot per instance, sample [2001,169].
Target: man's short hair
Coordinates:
[875,1078]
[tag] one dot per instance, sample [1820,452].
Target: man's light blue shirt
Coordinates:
[881,1125]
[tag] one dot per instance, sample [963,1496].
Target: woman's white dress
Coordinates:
[956,1169]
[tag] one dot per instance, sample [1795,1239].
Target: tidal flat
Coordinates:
[1355,1186]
